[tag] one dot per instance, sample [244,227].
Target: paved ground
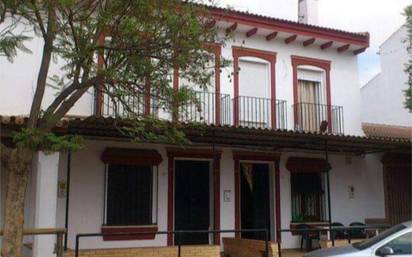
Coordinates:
[292,253]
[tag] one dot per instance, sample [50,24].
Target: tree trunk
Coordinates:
[18,167]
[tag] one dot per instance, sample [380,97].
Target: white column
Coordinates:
[46,203]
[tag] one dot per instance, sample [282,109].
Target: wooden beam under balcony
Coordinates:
[231,29]
[251,32]
[359,51]
[326,45]
[343,48]
[309,42]
[291,39]
[271,36]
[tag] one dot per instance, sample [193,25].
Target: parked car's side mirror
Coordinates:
[384,251]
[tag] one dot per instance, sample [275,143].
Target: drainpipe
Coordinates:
[328,184]
[66,220]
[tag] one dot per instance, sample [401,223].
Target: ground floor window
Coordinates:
[308,197]
[129,195]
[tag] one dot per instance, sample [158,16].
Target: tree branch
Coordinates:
[39,20]
[44,70]
[67,104]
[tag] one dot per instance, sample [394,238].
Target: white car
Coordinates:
[394,242]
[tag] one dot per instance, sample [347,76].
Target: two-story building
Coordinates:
[283,146]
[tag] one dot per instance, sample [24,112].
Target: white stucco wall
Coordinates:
[363,173]
[18,79]
[383,96]
[344,75]
[18,82]
[87,193]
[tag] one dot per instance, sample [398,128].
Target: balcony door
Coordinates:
[311,108]
[254,92]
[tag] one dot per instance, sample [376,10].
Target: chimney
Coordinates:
[308,12]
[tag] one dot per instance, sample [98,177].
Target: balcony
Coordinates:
[209,108]
[260,112]
[247,111]
[313,117]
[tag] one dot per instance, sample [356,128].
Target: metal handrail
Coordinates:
[258,111]
[328,229]
[203,110]
[309,116]
[59,232]
[176,232]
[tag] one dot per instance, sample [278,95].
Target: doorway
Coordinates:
[398,198]
[192,200]
[255,199]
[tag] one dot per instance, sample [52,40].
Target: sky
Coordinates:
[380,18]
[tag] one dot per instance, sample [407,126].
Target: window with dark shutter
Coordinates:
[307,197]
[129,195]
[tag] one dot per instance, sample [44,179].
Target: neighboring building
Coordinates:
[280,136]
[383,96]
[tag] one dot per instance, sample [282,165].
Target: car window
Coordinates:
[402,244]
[371,241]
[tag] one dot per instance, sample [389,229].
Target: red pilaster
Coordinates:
[175,114]
[99,88]
[237,196]
[277,200]
[170,198]
[147,96]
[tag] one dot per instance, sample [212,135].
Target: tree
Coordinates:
[408,69]
[122,49]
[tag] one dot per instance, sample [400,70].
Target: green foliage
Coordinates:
[11,39]
[10,43]
[153,130]
[408,66]
[38,140]
[139,42]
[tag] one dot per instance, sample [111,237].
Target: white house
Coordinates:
[283,146]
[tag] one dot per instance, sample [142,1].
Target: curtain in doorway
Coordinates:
[311,111]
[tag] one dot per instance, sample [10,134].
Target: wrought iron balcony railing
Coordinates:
[260,112]
[209,108]
[318,118]
[137,105]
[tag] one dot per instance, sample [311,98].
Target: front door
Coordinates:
[255,203]
[192,205]
[398,200]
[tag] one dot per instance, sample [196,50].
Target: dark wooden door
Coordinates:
[192,205]
[255,203]
[398,194]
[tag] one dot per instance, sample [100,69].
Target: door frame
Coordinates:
[265,157]
[212,155]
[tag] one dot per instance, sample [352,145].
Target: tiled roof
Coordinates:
[225,135]
[290,22]
[387,131]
